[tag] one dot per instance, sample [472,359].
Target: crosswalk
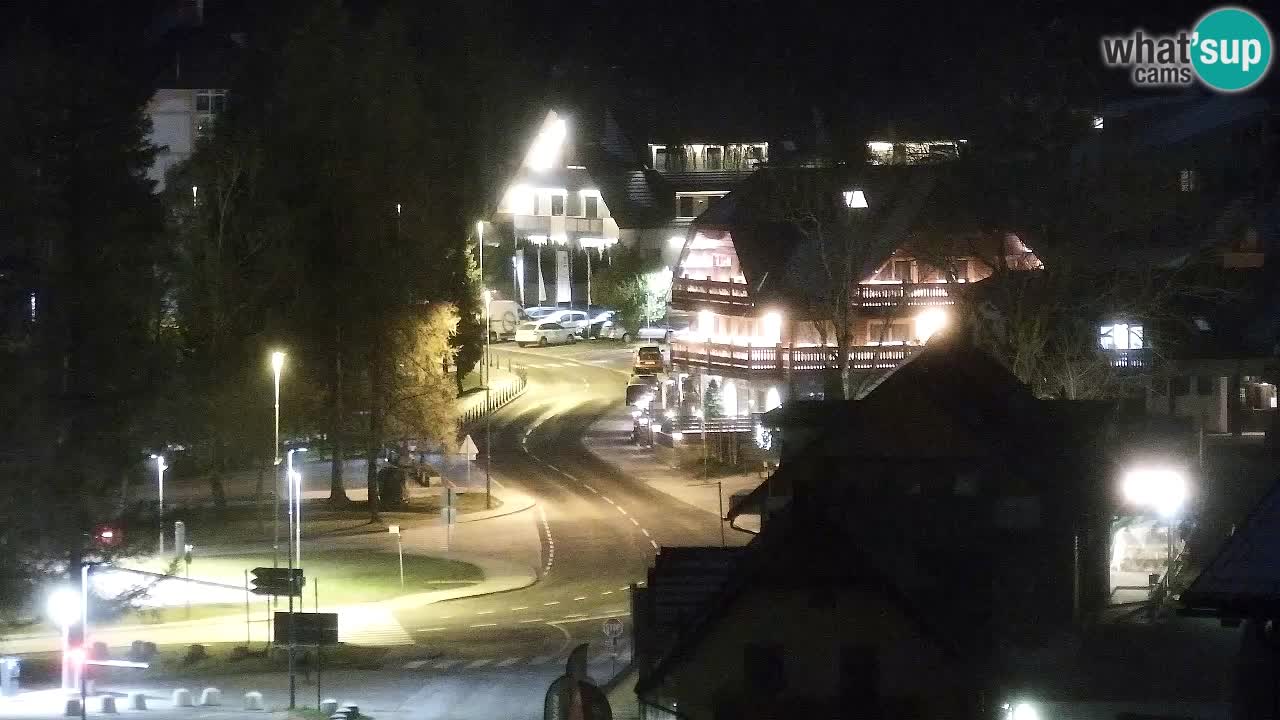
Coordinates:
[448,664]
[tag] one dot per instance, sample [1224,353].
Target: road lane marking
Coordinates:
[591,488]
[508,662]
[478,663]
[625,588]
[520,607]
[553,602]
[445,664]
[588,618]
[654,544]
[484,612]
[635,522]
[581,597]
[435,629]
[415,664]
[645,531]
[445,617]
[606,499]
[624,512]
[481,625]
[531,620]
[575,615]
[607,592]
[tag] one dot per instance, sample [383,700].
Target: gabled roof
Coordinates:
[1243,580]
[637,198]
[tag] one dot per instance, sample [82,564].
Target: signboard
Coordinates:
[312,628]
[468,448]
[277,581]
[564,291]
[613,628]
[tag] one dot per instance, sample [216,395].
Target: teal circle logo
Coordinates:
[1231,49]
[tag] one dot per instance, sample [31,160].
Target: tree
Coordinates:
[636,285]
[79,244]
[712,407]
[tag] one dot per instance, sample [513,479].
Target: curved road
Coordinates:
[494,656]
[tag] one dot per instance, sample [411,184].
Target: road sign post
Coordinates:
[613,630]
[395,530]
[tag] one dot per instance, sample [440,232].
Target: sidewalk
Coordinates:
[609,439]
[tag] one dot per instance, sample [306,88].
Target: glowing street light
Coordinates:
[64,608]
[1163,489]
[295,504]
[930,322]
[277,365]
[160,468]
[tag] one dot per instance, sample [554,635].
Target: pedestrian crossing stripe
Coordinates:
[445,664]
[415,664]
[478,663]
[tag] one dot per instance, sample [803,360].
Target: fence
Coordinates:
[500,395]
[780,358]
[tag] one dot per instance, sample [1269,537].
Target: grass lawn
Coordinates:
[345,576]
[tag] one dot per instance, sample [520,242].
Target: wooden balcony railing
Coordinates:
[780,358]
[1129,359]
[685,291]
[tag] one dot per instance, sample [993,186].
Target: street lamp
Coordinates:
[488,330]
[64,609]
[160,468]
[277,364]
[295,504]
[395,530]
[1163,489]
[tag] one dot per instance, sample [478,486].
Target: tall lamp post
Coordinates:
[1164,490]
[277,365]
[488,330]
[160,468]
[64,609]
[295,504]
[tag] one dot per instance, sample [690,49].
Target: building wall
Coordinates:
[173,130]
[1200,397]
[812,625]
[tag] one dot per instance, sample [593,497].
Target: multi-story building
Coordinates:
[760,293]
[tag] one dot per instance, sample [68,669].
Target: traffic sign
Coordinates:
[312,628]
[469,448]
[277,581]
[613,628]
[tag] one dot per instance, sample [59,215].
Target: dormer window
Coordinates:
[1120,336]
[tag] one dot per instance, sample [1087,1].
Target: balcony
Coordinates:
[780,359]
[886,295]
[1139,359]
[685,292]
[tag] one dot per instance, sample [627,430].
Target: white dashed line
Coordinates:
[445,617]
[607,592]
[446,664]
[480,625]
[625,588]
[635,522]
[624,512]
[645,531]
[606,499]
[654,544]
[531,620]
[430,629]
[553,602]
[580,597]
[478,663]
[575,615]
[508,662]
[415,664]
[521,607]
[597,492]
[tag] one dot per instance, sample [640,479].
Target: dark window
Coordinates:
[1204,385]
[902,270]
[763,668]
[859,676]
[557,205]
[590,210]
[715,158]
[1181,385]
[202,102]
[537,204]
[686,206]
[552,326]
[661,156]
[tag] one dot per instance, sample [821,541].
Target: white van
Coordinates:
[504,318]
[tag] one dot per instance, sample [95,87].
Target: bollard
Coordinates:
[211,696]
[253,700]
[182,697]
[137,701]
[328,706]
[109,704]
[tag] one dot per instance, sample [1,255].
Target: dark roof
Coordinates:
[706,180]
[637,198]
[1243,580]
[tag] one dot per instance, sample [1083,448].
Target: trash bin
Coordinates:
[10,668]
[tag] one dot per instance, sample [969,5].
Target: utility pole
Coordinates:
[488,411]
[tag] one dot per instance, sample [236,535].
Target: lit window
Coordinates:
[686,207]
[1188,180]
[211,101]
[557,205]
[1098,122]
[1120,336]
[715,158]
[590,210]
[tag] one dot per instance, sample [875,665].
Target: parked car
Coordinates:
[504,318]
[575,320]
[544,332]
[540,311]
[661,331]
[648,359]
[600,321]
